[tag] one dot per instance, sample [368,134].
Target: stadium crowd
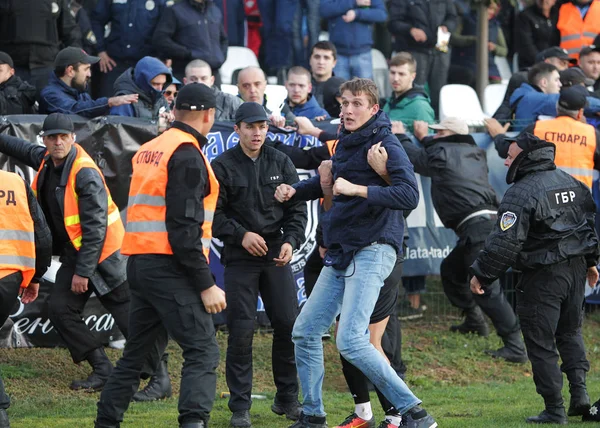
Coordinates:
[161,61]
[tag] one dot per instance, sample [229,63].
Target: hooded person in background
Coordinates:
[332,100]
[148,78]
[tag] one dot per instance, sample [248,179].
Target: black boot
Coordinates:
[474,323]
[106,425]
[4,423]
[101,370]
[549,416]
[513,350]
[579,404]
[159,386]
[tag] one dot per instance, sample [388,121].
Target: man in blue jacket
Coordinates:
[350,30]
[540,95]
[300,99]
[66,90]
[192,29]
[132,24]
[363,231]
[148,78]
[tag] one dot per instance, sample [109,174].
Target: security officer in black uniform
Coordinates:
[32,32]
[260,236]
[546,230]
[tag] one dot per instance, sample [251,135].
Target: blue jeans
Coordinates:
[310,10]
[352,293]
[360,65]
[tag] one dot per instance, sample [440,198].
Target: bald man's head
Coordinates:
[252,83]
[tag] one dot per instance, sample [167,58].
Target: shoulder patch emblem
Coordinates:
[507,220]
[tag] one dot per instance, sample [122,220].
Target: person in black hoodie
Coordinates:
[16,95]
[467,204]
[537,31]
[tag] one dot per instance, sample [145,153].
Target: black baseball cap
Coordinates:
[524,140]
[586,50]
[6,59]
[251,112]
[573,98]
[57,123]
[574,76]
[195,97]
[555,52]
[72,55]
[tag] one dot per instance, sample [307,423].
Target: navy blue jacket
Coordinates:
[131,27]
[137,81]
[353,223]
[58,97]
[189,31]
[310,108]
[355,37]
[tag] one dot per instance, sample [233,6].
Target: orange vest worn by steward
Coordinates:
[575,33]
[146,230]
[575,145]
[17,239]
[114,230]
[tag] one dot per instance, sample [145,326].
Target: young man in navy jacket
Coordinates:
[363,231]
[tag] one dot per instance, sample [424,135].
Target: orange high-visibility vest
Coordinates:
[575,33]
[114,230]
[146,230]
[575,145]
[331,146]
[17,238]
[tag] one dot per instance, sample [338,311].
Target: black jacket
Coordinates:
[247,203]
[546,217]
[536,33]
[93,212]
[17,97]
[42,237]
[505,111]
[459,175]
[426,15]
[33,31]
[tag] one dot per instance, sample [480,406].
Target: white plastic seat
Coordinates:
[461,101]
[238,57]
[229,89]
[503,67]
[494,94]
[276,94]
[381,75]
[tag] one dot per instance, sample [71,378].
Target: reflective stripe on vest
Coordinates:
[17,236]
[114,227]
[575,32]
[575,145]
[146,230]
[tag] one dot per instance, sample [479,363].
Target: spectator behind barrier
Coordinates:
[323,57]
[589,62]
[131,27]
[16,96]
[540,95]
[332,99]
[554,55]
[252,84]
[191,29]
[170,92]
[407,103]
[66,91]
[537,31]
[148,79]
[299,99]
[199,71]
[350,30]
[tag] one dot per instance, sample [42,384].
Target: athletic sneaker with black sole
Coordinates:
[310,422]
[417,417]
[354,421]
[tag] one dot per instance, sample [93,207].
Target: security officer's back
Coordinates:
[546,230]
